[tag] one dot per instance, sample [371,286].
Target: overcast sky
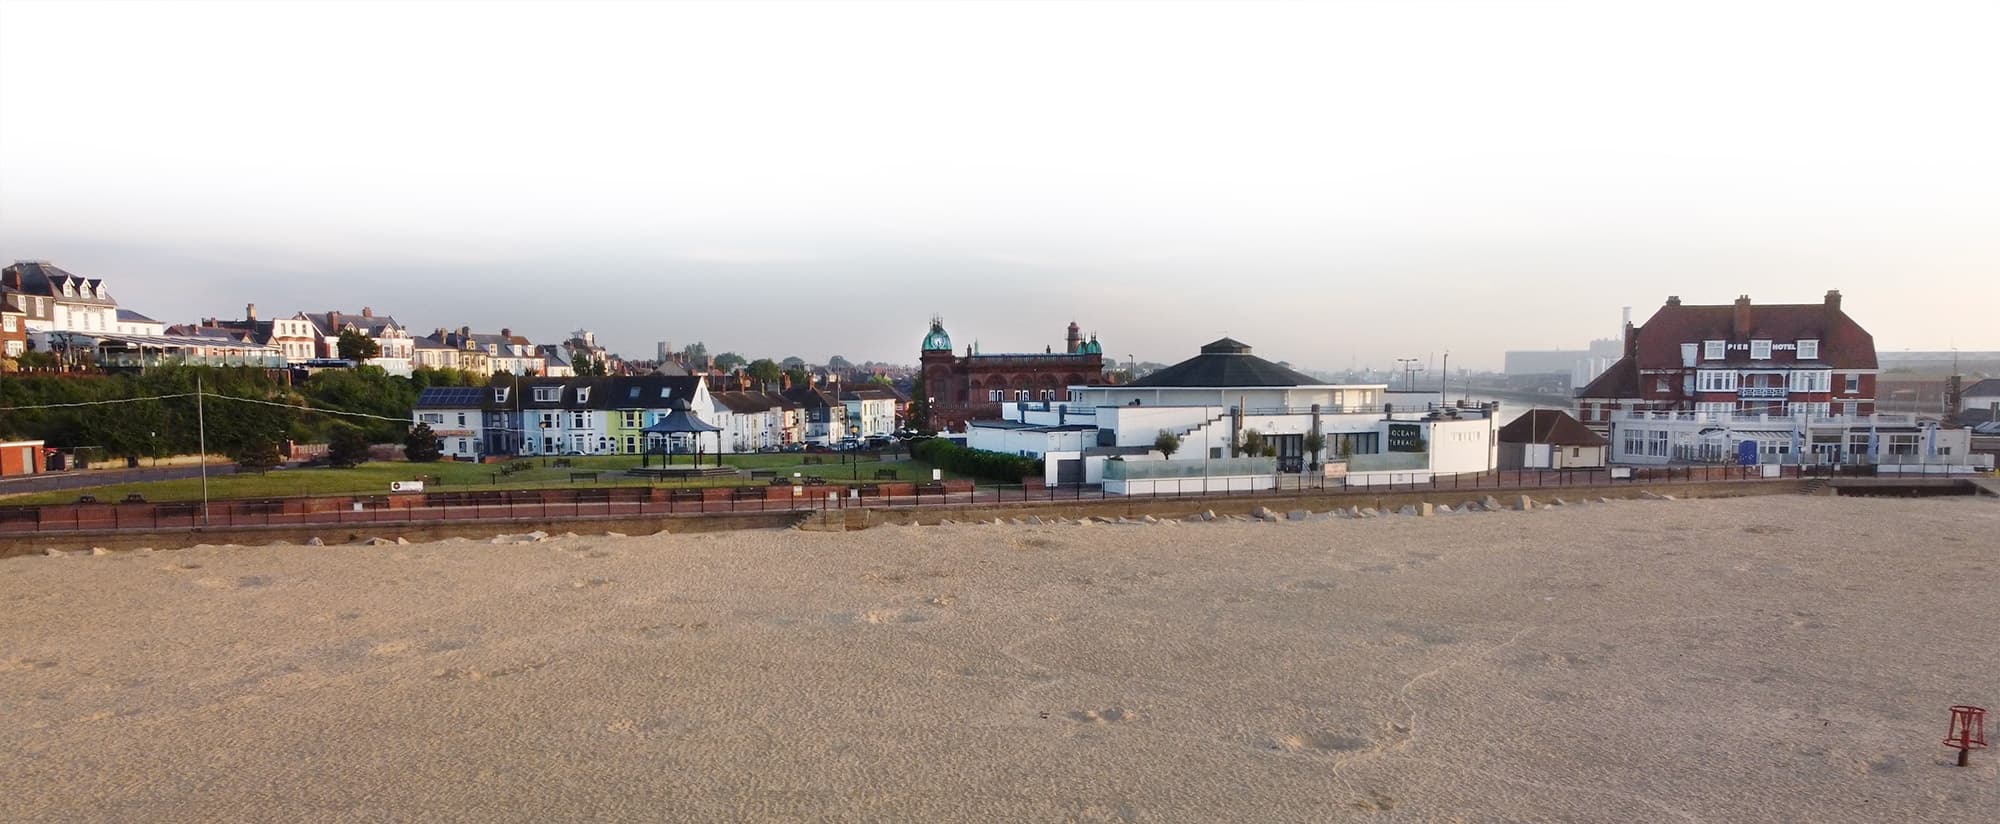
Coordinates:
[1333,183]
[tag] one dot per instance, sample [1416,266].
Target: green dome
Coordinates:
[1093,348]
[937,340]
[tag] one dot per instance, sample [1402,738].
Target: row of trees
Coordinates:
[248,413]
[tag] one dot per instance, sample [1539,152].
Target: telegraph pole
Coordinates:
[201,427]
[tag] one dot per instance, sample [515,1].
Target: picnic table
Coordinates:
[815,480]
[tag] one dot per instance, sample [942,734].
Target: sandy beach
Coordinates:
[1779,659]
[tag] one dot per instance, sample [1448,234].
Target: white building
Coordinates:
[53,300]
[397,347]
[750,421]
[1213,403]
[871,410]
[1888,441]
[455,414]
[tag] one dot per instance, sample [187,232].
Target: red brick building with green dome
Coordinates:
[971,386]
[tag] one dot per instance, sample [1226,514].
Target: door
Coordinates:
[1069,472]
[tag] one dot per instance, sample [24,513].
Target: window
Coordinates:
[1808,350]
[1849,408]
[1635,441]
[1576,451]
[1760,350]
[1715,380]
[631,420]
[500,394]
[9,323]
[548,394]
[579,420]
[436,417]
[1657,445]
[583,394]
[461,419]
[1687,354]
[994,395]
[1853,384]
[1715,407]
[1810,380]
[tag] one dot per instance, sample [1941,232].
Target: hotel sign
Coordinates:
[1406,437]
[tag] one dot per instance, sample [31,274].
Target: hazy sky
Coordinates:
[1332,183]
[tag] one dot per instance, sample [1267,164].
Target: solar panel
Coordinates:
[452,396]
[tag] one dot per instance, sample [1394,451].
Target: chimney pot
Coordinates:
[1740,320]
[250,311]
[1673,300]
[367,312]
[506,332]
[1833,299]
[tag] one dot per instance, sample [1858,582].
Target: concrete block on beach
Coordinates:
[1369,512]
[1407,510]
[1492,504]
[1523,503]
[1297,515]
[1425,510]
[1264,513]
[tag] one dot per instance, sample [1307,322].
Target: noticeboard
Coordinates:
[1406,437]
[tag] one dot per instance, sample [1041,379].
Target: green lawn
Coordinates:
[448,476]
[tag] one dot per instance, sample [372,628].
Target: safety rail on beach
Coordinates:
[598,503]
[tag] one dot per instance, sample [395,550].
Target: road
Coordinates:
[106,477]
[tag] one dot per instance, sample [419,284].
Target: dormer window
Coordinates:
[1760,350]
[1808,350]
[548,394]
[500,394]
[1711,350]
[583,394]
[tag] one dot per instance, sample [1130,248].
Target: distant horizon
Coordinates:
[1337,185]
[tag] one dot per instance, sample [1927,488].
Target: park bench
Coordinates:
[685,496]
[563,463]
[871,490]
[135,498]
[931,489]
[86,499]
[813,459]
[584,476]
[815,480]
[885,474]
[744,493]
[781,482]
[763,473]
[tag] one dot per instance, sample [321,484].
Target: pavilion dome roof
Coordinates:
[1226,363]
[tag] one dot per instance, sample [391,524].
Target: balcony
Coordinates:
[1775,393]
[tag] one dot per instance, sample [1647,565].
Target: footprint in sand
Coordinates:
[1104,716]
[389,648]
[590,583]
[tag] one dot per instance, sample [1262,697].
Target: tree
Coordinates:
[765,370]
[839,364]
[1253,444]
[423,445]
[1314,443]
[258,454]
[1168,443]
[696,353]
[729,361]
[799,377]
[357,347]
[920,406]
[348,448]
[880,379]
[586,366]
[793,362]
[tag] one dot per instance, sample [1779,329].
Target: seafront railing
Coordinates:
[499,507]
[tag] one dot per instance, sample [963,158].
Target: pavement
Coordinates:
[51,482]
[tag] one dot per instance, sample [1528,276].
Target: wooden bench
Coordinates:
[584,476]
[763,473]
[563,463]
[685,496]
[744,493]
[885,474]
[931,489]
[813,459]
[781,482]
[815,480]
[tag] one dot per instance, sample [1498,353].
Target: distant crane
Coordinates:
[1410,369]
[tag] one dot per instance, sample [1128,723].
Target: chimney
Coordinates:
[1631,340]
[506,333]
[784,381]
[1673,300]
[1833,301]
[333,321]
[367,312]
[250,312]
[1740,326]
[465,333]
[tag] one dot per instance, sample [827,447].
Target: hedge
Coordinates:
[993,466]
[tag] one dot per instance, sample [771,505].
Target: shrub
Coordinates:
[979,463]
